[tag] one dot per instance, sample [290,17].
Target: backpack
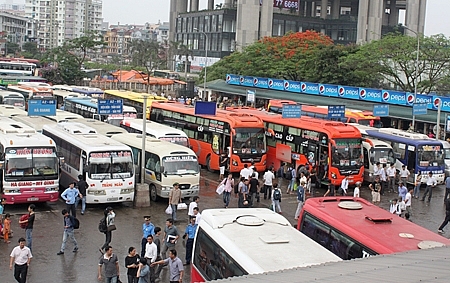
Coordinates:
[23,218]
[288,175]
[102,227]
[277,194]
[280,172]
[75,223]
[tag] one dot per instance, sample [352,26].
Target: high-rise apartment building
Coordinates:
[63,20]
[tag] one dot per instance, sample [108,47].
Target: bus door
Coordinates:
[411,162]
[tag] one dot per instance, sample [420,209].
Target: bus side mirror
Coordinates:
[2,163]
[61,159]
[161,169]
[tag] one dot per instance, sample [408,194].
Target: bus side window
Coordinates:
[316,230]
[366,158]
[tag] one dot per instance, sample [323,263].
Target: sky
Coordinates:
[141,11]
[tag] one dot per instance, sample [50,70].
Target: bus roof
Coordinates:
[405,138]
[136,96]
[235,119]
[154,129]
[62,115]
[66,93]
[36,122]
[9,111]
[263,240]
[84,100]
[381,231]
[151,144]
[101,127]
[10,93]
[9,126]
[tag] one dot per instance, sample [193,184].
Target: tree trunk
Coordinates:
[185,67]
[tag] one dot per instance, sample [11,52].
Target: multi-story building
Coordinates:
[13,28]
[238,23]
[64,20]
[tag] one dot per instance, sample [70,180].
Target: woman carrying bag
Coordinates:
[228,185]
[110,217]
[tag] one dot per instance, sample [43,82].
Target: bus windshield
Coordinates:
[347,153]
[249,141]
[447,153]
[14,101]
[177,140]
[27,164]
[178,165]
[431,155]
[110,165]
[382,155]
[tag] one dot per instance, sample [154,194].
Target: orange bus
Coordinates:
[240,135]
[321,112]
[305,140]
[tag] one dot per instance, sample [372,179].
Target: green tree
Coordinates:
[148,54]
[12,48]
[183,51]
[30,50]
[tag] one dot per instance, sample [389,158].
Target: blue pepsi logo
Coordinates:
[385,96]
[286,85]
[321,89]
[410,99]
[270,83]
[341,91]
[362,93]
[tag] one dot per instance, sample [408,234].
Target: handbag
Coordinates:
[169,210]
[220,189]
[111,227]
[181,205]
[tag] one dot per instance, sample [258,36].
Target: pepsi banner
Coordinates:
[310,88]
[328,90]
[370,94]
[348,92]
[393,97]
[276,84]
[425,99]
[444,101]
[261,82]
[291,86]
[246,81]
[232,79]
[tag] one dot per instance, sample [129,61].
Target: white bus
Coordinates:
[101,127]
[31,92]
[12,98]
[29,164]
[35,122]
[235,242]
[10,111]
[17,68]
[61,95]
[107,165]
[166,163]
[156,130]
[62,115]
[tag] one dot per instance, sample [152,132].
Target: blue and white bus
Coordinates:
[416,151]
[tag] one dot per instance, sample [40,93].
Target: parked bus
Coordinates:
[167,74]
[31,92]
[415,151]
[5,81]
[156,130]
[10,111]
[106,164]
[321,112]
[241,135]
[166,163]
[17,68]
[354,228]
[12,98]
[61,95]
[133,99]
[35,122]
[236,242]
[62,115]
[333,148]
[88,91]
[101,127]
[29,164]
[446,146]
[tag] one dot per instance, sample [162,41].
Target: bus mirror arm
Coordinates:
[2,163]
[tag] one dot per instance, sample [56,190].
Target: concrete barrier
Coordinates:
[142,197]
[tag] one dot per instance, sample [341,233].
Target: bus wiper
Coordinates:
[103,179]
[123,179]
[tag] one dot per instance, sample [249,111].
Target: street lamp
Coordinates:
[206,58]
[416,70]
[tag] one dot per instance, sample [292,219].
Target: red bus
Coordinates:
[305,140]
[351,115]
[354,228]
[241,135]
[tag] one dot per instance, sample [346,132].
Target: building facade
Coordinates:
[15,29]
[222,29]
[58,21]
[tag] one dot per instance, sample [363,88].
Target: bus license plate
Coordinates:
[112,199]
[32,199]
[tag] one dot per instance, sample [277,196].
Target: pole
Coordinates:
[415,78]
[144,135]
[438,122]
[206,63]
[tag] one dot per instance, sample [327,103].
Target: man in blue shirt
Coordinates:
[147,229]
[402,190]
[69,222]
[70,195]
[190,233]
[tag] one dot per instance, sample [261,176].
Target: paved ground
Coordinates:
[82,266]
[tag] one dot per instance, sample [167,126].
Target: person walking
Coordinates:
[254,189]
[192,205]
[431,183]
[69,222]
[21,257]
[132,264]
[110,226]
[344,186]
[157,242]
[391,172]
[292,175]
[417,184]
[111,263]
[7,228]
[408,201]
[190,234]
[276,199]
[223,159]
[402,190]
[300,199]
[243,193]
[446,220]
[69,196]
[447,188]
[229,185]
[147,229]
[175,199]
[171,236]
[151,253]
[143,272]
[268,182]
[175,267]
[357,189]
[30,225]
[383,179]
[375,187]
[404,174]
[82,186]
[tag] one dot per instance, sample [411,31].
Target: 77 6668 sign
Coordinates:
[286,4]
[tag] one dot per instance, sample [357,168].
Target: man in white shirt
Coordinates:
[151,253]
[268,183]
[344,185]
[21,257]
[192,205]
[197,215]
[357,189]
[408,198]
[404,174]
[383,178]
[391,172]
[431,183]
[376,170]
[246,172]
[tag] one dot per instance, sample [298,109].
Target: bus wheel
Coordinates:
[153,196]
[208,164]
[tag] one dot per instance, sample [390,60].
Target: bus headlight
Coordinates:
[195,187]
[126,191]
[96,192]
[12,191]
[235,163]
[333,176]
[166,188]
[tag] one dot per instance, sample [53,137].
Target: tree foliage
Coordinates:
[30,50]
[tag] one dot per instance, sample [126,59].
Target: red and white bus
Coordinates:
[235,242]
[354,228]
[239,134]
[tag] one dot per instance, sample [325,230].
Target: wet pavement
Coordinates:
[46,266]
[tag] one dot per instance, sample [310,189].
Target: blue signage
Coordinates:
[246,81]
[42,107]
[309,88]
[336,111]
[232,79]
[328,90]
[444,101]
[393,97]
[261,82]
[427,99]
[291,111]
[291,86]
[251,96]
[276,84]
[205,108]
[420,109]
[348,92]
[370,94]
[381,110]
[110,106]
